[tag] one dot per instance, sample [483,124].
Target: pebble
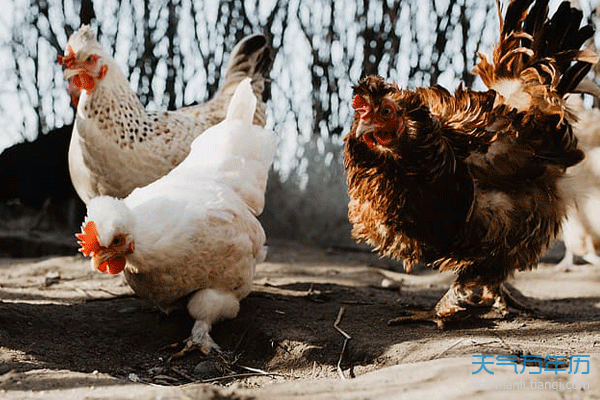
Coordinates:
[133,377]
[390,284]
[205,368]
[51,278]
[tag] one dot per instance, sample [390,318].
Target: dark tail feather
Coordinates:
[560,39]
[552,46]
[561,29]
[251,57]
[514,16]
[572,77]
[536,17]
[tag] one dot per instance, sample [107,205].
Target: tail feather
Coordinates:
[572,77]
[515,15]
[243,103]
[536,17]
[561,27]
[528,39]
[250,58]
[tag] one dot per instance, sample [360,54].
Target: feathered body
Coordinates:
[193,231]
[472,182]
[116,144]
[581,228]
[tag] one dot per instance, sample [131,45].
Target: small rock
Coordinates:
[205,368]
[133,377]
[390,284]
[51,278]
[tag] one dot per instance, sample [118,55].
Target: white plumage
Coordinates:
[193,231]
[116,144]
[581,229]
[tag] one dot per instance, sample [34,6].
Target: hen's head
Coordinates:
[386,117]
[106,236]
[380,119]
[84,61]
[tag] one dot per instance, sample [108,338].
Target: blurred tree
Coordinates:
[174,51]
[86,12]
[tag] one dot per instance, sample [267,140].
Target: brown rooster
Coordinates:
[472,182]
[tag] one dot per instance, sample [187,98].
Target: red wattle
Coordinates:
[84,81]
[383,138]
[116,265]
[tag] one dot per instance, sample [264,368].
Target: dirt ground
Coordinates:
[315,327]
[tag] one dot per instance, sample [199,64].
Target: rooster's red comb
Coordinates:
[69,60]
[359,102]
[88,239]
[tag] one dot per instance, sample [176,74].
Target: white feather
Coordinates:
[581,229]
[117,145]
[243,103]
[196,227]
[512,93]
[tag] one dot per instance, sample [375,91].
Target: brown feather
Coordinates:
[473,184]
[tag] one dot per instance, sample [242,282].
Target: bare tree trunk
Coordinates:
[86,12]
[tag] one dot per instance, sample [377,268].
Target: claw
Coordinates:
[511,295]
[191,346]
[417,316]
[459,303]
[199,340]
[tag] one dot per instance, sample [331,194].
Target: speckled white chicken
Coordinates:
[116,144]
[193,233]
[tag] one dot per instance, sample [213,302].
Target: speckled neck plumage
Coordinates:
[117,111]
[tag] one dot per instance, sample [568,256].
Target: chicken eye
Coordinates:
[90,58]
[118,241]
[386,111]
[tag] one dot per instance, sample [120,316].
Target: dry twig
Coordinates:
[183,374]
[346,339]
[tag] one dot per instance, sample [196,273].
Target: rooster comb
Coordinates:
[88,239]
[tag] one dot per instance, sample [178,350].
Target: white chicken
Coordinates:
[194,231]
[581,229]
[116,144]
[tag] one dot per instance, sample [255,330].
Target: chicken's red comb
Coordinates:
[359,102]
[69,60]
[88,239]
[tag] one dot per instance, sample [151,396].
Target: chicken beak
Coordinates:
[365,127]
[69,73]
[100,257]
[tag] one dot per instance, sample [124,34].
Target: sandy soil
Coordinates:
[68,332]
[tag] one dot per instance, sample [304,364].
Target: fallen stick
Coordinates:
[346,339]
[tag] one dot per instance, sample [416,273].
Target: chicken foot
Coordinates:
[199,340]
[452,306]
[207,306]
[459,303]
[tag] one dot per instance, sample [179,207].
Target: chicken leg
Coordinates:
[459,303]
[207,307]
[452,306]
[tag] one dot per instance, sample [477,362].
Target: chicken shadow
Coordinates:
[279,328]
